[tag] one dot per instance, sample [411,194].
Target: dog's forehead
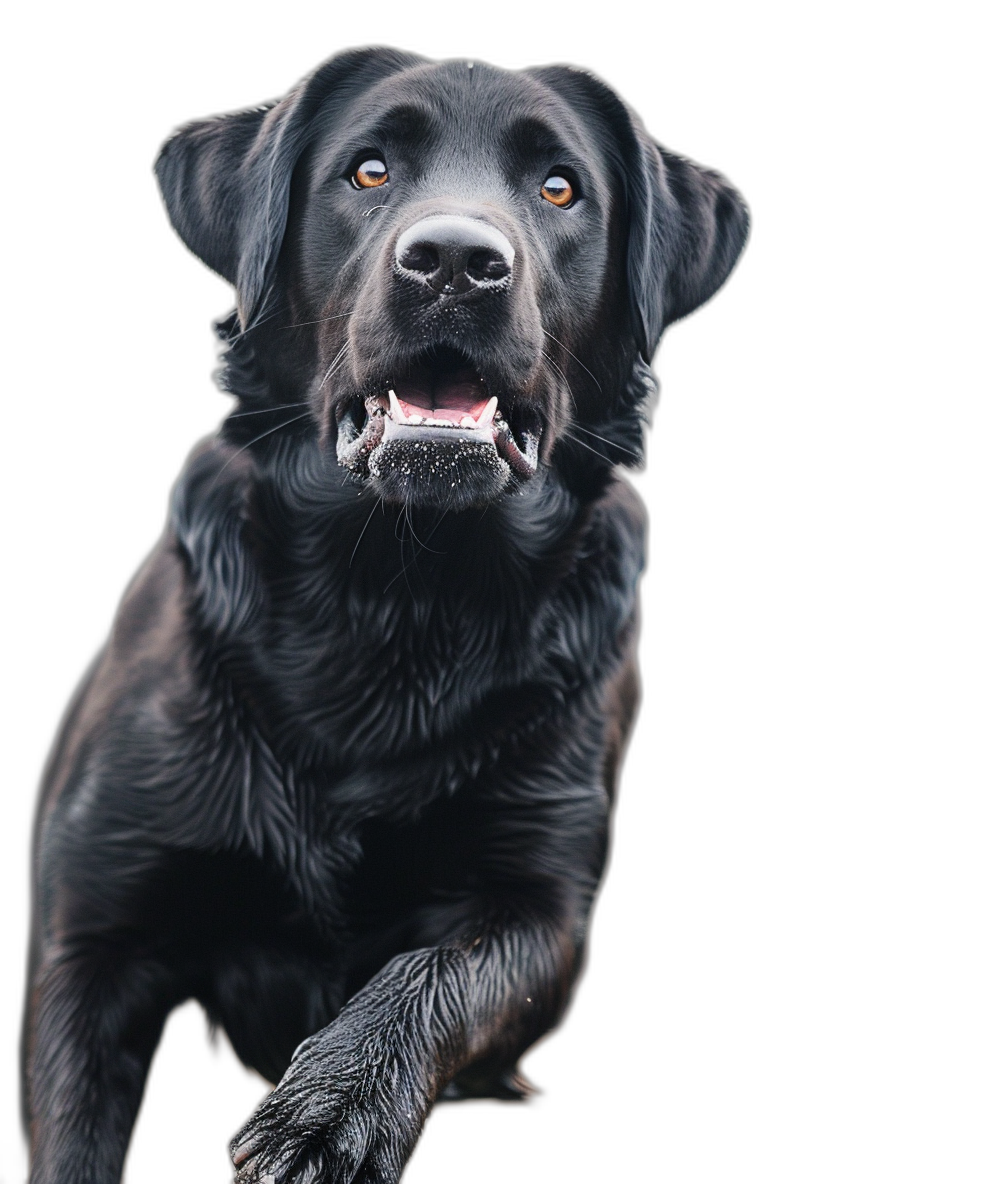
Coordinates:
[460,103]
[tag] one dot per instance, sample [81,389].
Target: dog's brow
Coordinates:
[408,120]
[534,136]
[405,123]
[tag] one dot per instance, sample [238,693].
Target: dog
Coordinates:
[344,770]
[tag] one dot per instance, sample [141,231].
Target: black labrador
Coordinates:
[344,770]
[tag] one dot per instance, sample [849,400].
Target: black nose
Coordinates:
[454,254]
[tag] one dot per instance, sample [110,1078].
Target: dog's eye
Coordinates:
[370,174]
[558,190]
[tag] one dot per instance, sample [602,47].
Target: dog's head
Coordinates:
[462,271]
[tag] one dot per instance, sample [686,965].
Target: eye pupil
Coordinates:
[558,190]
[371,174]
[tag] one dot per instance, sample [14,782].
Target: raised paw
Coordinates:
[295,1137]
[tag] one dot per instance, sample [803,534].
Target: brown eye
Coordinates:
[371,174]
[558,190]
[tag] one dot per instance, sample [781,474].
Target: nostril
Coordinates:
[486,265]
[420,257]
[454,254]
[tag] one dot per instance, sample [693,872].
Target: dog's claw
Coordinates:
[242,1152]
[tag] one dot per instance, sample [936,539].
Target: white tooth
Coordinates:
[467,421]
[487,413]
[398,415]
[415,419]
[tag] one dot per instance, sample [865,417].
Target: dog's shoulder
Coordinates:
[147,679]
[110,747]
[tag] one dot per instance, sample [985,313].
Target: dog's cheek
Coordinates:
[355,330]
[323,241]
[600,323]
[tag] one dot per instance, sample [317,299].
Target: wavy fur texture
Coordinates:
[345,768]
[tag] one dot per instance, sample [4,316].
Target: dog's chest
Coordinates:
[411,672]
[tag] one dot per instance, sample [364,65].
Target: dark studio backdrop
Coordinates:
[798,966]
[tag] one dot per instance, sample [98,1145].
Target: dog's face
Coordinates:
[477,213]
[456,267]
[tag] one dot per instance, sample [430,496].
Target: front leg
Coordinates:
[94,1016]
[354,1100]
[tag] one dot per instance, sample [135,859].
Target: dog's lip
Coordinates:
[439,398]
[436,425]
[389,418]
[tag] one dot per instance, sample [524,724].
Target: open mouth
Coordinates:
[437,422]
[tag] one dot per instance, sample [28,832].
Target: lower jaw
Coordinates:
[466,473]
[438,466]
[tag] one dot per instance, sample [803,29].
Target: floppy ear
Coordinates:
[686,224]
[209,172]
[687,229]
[226,181]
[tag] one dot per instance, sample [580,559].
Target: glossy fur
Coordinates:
[344,769]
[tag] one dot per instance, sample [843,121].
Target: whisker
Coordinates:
[361,535]
[575,357]
[265,410]
[402,557]
[413,544]
[575,440]
[417,538]
[563,378]
[392,581]
[263,436]
[444,513]
[269,316]
[368,213]
[605,440]
[404,571]
[321,321]
[334,364]
[239,332]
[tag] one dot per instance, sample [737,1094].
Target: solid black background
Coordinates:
[687,1043]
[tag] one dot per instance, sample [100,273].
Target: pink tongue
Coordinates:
[450,399]
[454,414]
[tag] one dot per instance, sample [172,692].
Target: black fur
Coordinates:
[344,770]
